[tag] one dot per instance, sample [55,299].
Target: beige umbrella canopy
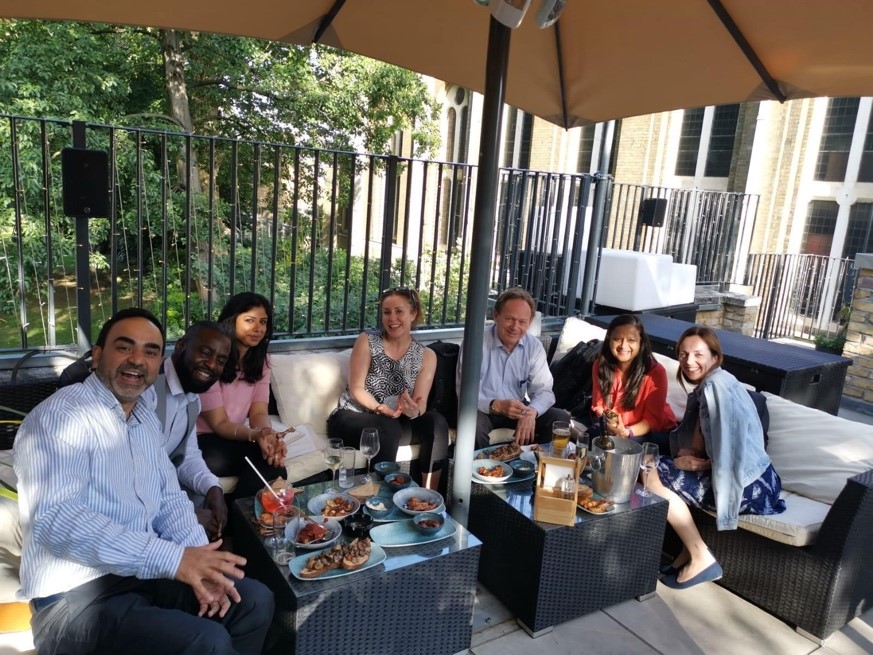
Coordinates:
[617,58]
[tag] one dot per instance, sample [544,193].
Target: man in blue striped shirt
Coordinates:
[112,548]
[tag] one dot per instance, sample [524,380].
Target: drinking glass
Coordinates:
[582,444]
[333,460]
[560,437]
[648,463]
[369,448]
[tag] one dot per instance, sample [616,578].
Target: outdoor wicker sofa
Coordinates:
[807,566]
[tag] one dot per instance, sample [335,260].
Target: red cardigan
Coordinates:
[651,400]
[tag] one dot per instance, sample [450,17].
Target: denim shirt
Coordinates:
[733,437]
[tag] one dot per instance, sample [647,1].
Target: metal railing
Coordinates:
[801,295]
[195,219]
[710,229]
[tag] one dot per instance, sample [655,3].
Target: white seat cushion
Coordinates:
[574,331]
[798,525]
[815,452]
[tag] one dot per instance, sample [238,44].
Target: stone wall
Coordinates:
[859,338]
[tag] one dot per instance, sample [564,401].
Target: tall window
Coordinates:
[722,134]
[517,142]
[865,174]
[689,142]
[455,180]
[836,139]
[821,222]
[858,235]
[721,141]
[586,149]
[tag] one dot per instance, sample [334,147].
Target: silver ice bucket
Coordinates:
[615,472]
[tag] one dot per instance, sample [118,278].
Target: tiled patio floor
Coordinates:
[705,620]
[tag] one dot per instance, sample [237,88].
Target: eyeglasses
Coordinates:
[404,291]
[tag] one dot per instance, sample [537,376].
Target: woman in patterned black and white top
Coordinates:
[390,375]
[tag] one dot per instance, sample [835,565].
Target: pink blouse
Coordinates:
[236,397]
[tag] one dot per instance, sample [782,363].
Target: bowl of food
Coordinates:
[384,468]
[397,481]
[490,470]
[417,500]
[359,525]
[313,531]
[334,506]
[522,466]
[428,522]
[379,507]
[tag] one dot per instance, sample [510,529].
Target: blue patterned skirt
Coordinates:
[695,488]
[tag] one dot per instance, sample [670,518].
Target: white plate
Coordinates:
[515,477]
[395,535]
[598,497]
[489,449]
[490,464]
[316,505]
[402,496]
[296,565]
[333,526]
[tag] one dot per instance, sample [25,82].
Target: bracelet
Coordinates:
[412,418]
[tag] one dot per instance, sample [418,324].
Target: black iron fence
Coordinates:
[710,229]
[801,295]
[195,219]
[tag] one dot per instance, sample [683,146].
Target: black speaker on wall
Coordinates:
[652,211]
[85,176]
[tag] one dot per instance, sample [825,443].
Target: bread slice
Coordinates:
[357,553]
[321,563]
[364,491]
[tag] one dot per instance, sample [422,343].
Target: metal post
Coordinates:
[388,219]
[83,250]
[480,264]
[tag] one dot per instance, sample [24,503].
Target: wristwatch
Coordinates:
[491,406]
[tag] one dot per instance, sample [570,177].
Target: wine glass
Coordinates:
[333,460]
[369,448]
[648,463]
[582,443]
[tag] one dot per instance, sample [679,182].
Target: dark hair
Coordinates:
[411,295]
[607,365]
[122,314]
[710,339]
[195,328]
[515,293]
[253,361]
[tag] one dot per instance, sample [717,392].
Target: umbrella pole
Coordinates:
[480,264]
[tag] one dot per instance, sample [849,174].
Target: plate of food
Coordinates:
[337,561]
[503,452]
[415,500]
[313,532]
[490,471]
[334,506]
[396,535]
[593,503]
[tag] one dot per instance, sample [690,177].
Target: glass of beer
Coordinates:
[560,438]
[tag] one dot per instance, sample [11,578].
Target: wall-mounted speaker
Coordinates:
[85,176]
[652,211]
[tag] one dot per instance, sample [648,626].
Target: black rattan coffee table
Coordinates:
[419,600]
[547,574]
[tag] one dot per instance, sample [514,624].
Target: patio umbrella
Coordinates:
[599,61]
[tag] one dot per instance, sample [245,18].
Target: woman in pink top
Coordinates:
[234,422]
[629,381]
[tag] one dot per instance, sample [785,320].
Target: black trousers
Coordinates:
[542,429]
[113,614]
[226,457]
[430,431]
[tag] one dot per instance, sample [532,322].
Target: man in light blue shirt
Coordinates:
[515,385]
[195,365]
[114,559]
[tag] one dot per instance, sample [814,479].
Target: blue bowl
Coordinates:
[428,517]
[397,481]
[378,501]
[522,466]
[384,468]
